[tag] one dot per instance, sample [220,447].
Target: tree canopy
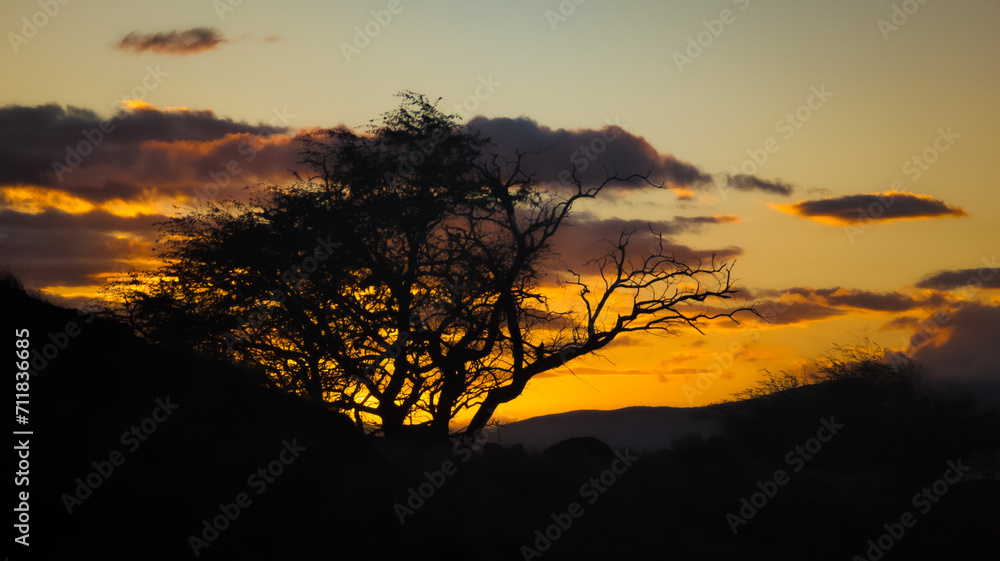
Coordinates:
[403,280]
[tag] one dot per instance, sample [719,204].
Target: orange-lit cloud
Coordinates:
[29,199]
[132,105]
[854,209]
[137,105]
[683,193]
[186,42]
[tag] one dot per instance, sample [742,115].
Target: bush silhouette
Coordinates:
[891,419]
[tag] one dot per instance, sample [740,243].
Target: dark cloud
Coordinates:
[786,313]
[960,345]
[585,238]
[862,299]
[984,277]
[798,304]
[850,209]
[695,223]
[234,161]
[55,248]
[610,228]
[39,145]
[880,301]
[594,154]
[173,42]
[144,154]
[742,182]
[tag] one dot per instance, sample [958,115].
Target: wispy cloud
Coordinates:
[788,313]
[587,237]
[742,182]
[185,42]
[803,304]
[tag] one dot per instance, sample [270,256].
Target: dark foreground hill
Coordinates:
[140,452]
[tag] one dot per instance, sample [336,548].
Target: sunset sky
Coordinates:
[842,152]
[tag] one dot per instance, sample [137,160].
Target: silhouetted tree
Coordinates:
[401,281]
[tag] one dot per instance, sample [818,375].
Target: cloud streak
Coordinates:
[984,277]
[743,182]
[802,304]
[587,237]
[855,209]
[867,300]
[181,43]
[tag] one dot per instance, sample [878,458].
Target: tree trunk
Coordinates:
[391,428]
[451,390]
[392,420]
[493,399]
[315,388]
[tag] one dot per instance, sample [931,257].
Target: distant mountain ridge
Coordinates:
[637,428]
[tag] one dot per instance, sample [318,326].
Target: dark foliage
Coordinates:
[400,283]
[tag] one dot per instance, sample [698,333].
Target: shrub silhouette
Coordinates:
[891,419]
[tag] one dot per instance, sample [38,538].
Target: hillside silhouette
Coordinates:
[344,494]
